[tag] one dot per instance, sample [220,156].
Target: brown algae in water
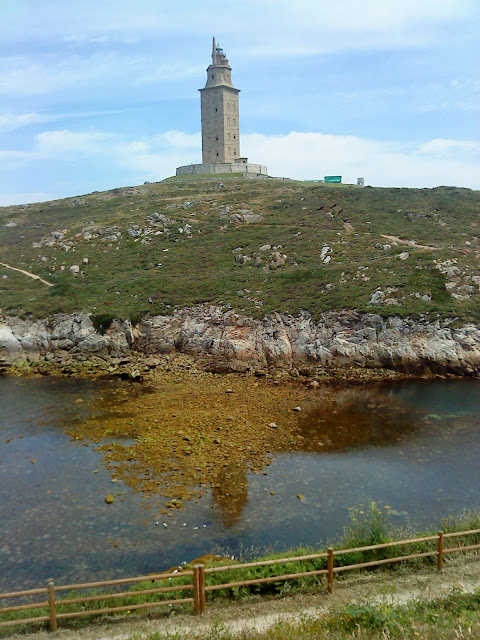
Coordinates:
[192,432]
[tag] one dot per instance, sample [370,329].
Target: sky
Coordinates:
[102,94]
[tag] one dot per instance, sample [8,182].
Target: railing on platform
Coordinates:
[199,584]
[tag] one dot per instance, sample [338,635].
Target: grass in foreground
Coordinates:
[456,616]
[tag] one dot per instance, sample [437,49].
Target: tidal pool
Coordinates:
[413,446]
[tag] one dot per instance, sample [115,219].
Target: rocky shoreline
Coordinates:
[227,341]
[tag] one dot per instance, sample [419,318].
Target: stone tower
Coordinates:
[219,100]
[220,127]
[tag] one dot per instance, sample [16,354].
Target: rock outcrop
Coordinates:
[338,339]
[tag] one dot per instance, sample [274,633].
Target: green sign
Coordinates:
[333,178]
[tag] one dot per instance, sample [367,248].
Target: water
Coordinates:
[413,446]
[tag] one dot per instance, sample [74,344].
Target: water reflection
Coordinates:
[354,417]
[332,419]
[230,493]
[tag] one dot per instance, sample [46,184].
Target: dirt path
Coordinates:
[259,615]
[27,273]
[410,243]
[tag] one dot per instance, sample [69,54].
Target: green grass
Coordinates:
[300,217]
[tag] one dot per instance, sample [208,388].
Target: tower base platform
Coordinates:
[251,170]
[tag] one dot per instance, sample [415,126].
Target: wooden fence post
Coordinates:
[196,590]
[330,570]
[201,587]
[440,551]
[51,604]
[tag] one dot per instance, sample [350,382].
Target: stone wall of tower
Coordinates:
[243,169]
[220,124]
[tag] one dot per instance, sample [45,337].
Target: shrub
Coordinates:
[102,322]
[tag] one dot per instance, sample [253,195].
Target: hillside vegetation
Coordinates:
[257,245]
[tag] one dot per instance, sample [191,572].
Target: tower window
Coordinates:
[216,109]
[216,138]
[213,77]
[217,154]
[234,137]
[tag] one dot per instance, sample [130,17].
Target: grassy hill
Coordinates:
[144,250]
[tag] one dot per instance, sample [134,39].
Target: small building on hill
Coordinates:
[220,125]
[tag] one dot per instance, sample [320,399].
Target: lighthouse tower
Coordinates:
[220,125]
[219,106]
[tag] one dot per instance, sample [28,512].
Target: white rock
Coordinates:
[377,297]
[324,252]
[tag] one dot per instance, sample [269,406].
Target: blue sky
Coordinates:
[95,95]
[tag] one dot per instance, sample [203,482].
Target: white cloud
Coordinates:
[55,143]
[314,155]
[273,27]
[59,146]
[445,146]
[120,21]
[180,140]
[372,15]
[136,147]
[24,75]
[171,70]
[13,159]
[7,199]
[158,158]
[151,159]
[57,72]
[10,121]
[299,155]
